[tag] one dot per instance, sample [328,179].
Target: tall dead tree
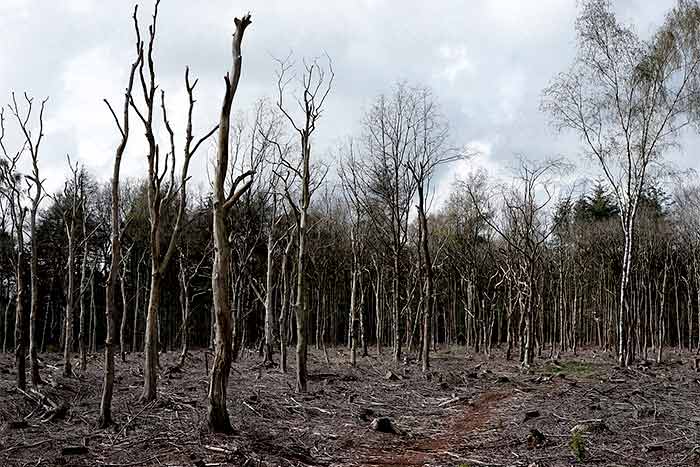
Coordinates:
[35,191]
[217,415]
[31,143]
[105,416]
[316,83]
[161,193]
[13,192]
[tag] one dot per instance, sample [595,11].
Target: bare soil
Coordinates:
[467,411]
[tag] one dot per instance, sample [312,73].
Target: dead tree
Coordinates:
[30,143]
[316,81]
[161,193]
[123,275]
[217,415]
[285,297]
[73,200]
[429,146]
[105,417]
[13,192]
[35,192]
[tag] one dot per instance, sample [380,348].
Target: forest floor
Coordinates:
[474,411]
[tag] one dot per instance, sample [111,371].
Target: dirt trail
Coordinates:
[477,415]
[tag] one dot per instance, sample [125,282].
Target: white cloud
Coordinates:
[455,61]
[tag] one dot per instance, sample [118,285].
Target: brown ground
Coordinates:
[466,412]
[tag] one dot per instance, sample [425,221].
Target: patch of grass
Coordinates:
[577,444]
[571,368]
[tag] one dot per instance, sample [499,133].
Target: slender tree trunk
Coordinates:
[427,260]
[125,307]
[137,305]
[396,318]
[35,305]
[284,312]
[6,325]
[185,304]
[93,316]
[20,320]
[352,317]
[150,369]
[82,326]
[105,416]
[70,301]
[217,415]
[269,312]
[301,302]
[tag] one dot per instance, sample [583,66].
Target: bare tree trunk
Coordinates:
[185,304]
[428,265]
[105,416]
[396,318]
[70,301]
[353,306]
[122,326]
[300,307]
[93,316]
[284,312]
[6,324]
[137,305]
[623,306]
[82,326]
[363,336]
[269,312]
[20,320]
[217,415]
[150,369]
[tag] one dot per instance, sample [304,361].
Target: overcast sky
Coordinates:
[486,60]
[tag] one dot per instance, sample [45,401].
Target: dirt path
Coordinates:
[469,418]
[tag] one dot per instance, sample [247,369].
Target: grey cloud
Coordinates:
[487,61]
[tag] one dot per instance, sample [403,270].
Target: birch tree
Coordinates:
[627,98]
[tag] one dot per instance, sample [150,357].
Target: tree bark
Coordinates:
[20,320]
[70,301]
[217,414]
[105,416]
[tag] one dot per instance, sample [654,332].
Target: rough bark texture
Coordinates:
[217,414]
[84,309]
[105,416]
[429,274]
[300,306]
[70,301]
[20,320]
